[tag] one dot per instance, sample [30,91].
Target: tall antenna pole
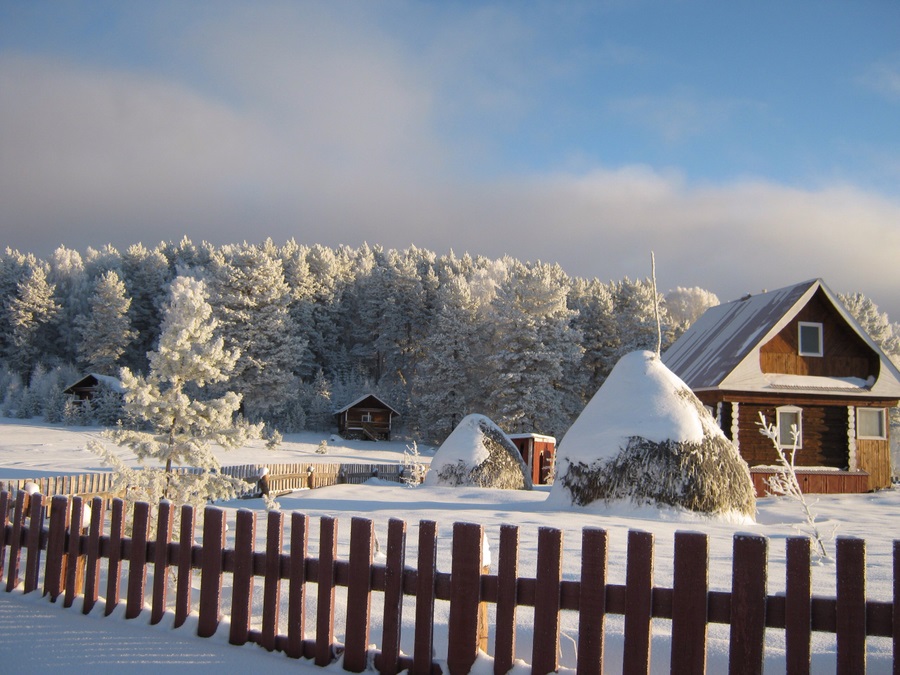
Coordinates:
[656,305]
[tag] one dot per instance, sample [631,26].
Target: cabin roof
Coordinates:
[92,380]
[362,398]
[721,349]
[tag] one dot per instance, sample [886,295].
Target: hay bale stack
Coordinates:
[478,454]
[645,438]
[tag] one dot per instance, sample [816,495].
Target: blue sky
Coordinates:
[750,144]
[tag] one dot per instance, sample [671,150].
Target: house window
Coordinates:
[789,419]
[810,339]
[366,417]
[870,423]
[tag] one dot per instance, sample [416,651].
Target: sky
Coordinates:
[749,145]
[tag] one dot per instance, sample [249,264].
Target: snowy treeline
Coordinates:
[437,336]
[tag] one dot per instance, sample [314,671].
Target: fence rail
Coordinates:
[75,551]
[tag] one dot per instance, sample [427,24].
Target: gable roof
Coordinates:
[94,380]
[721,349]
[360,400]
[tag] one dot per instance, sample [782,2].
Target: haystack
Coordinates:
[645,438]
[478,454]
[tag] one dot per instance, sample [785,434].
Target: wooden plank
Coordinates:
[689,602]
[211,571]
[748,604]
[507,578]
[850,577]
[15,543]
[137,563]
[896,608]
[242,577]
[297,585]
[33,542]
[75,559]
[545,648]
[639,602]
[5,503]
[426,576]
[184,584]
[114,567]
[325,607]
[359,594]
[92,567]
[55,567]
[392,618]
[592,601]
[465,590]
[272,583]
[798,610]
[161,562]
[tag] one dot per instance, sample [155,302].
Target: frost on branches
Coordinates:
[171,424]
[785,484]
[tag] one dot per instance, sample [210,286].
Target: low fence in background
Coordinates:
[75,552]
[281,478]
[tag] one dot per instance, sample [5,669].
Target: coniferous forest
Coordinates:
[436,336]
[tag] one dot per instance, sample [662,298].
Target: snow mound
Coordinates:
[478,454]
[645,438]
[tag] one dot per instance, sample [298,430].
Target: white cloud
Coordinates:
[883,78]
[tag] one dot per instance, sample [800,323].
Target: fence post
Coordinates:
[185,565]
[507,597]
[33,543]
[748,604]
[797,610]
[211,571]
[592,601]
[689,602]
[15,542]
[546,602]
[114,566]
[851,605]
[465,593]
[242,576]
[137,563]
[393,597]
[896,616]
[161,562]
[425,579]
[4,515]
[359,594]
[297,585]
[75,564]
[272,587]
[325,606]
[55,567]
[92,571]
[638,602]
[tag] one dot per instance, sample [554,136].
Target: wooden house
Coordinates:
[537,451]
[366,417]
[92,384]
[796,356]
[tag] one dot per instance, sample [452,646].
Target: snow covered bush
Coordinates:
[478,454]
[414,469]
[173,425]
[646,439]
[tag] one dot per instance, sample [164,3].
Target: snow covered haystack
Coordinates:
[645,438]
[478,454]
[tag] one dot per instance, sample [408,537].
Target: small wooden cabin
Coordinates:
[92,384]
[366,417]
[796,356]
[537,451]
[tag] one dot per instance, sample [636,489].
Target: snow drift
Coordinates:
[645,437]
[478,453]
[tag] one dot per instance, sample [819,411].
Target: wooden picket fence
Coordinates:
[282,478]
[74,552]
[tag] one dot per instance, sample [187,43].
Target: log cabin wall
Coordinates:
[874,456]
[845,354]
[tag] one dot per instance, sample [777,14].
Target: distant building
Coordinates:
[92,384]
[537,452]
[366,417]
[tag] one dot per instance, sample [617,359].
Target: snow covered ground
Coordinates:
[26,448]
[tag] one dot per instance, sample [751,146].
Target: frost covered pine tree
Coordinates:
[30,313]
[106,329]
[174,426]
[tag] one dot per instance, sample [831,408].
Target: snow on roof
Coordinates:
[363,398]
[639,398]
[112,383]
[537,437]
[721,349]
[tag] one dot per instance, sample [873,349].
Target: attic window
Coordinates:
[789,418]
[870,423]
[810,339]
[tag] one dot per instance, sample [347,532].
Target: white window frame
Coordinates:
[883,414]
[790,410]
[809,324]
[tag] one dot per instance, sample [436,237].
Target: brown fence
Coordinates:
[281,477]
[72,566]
